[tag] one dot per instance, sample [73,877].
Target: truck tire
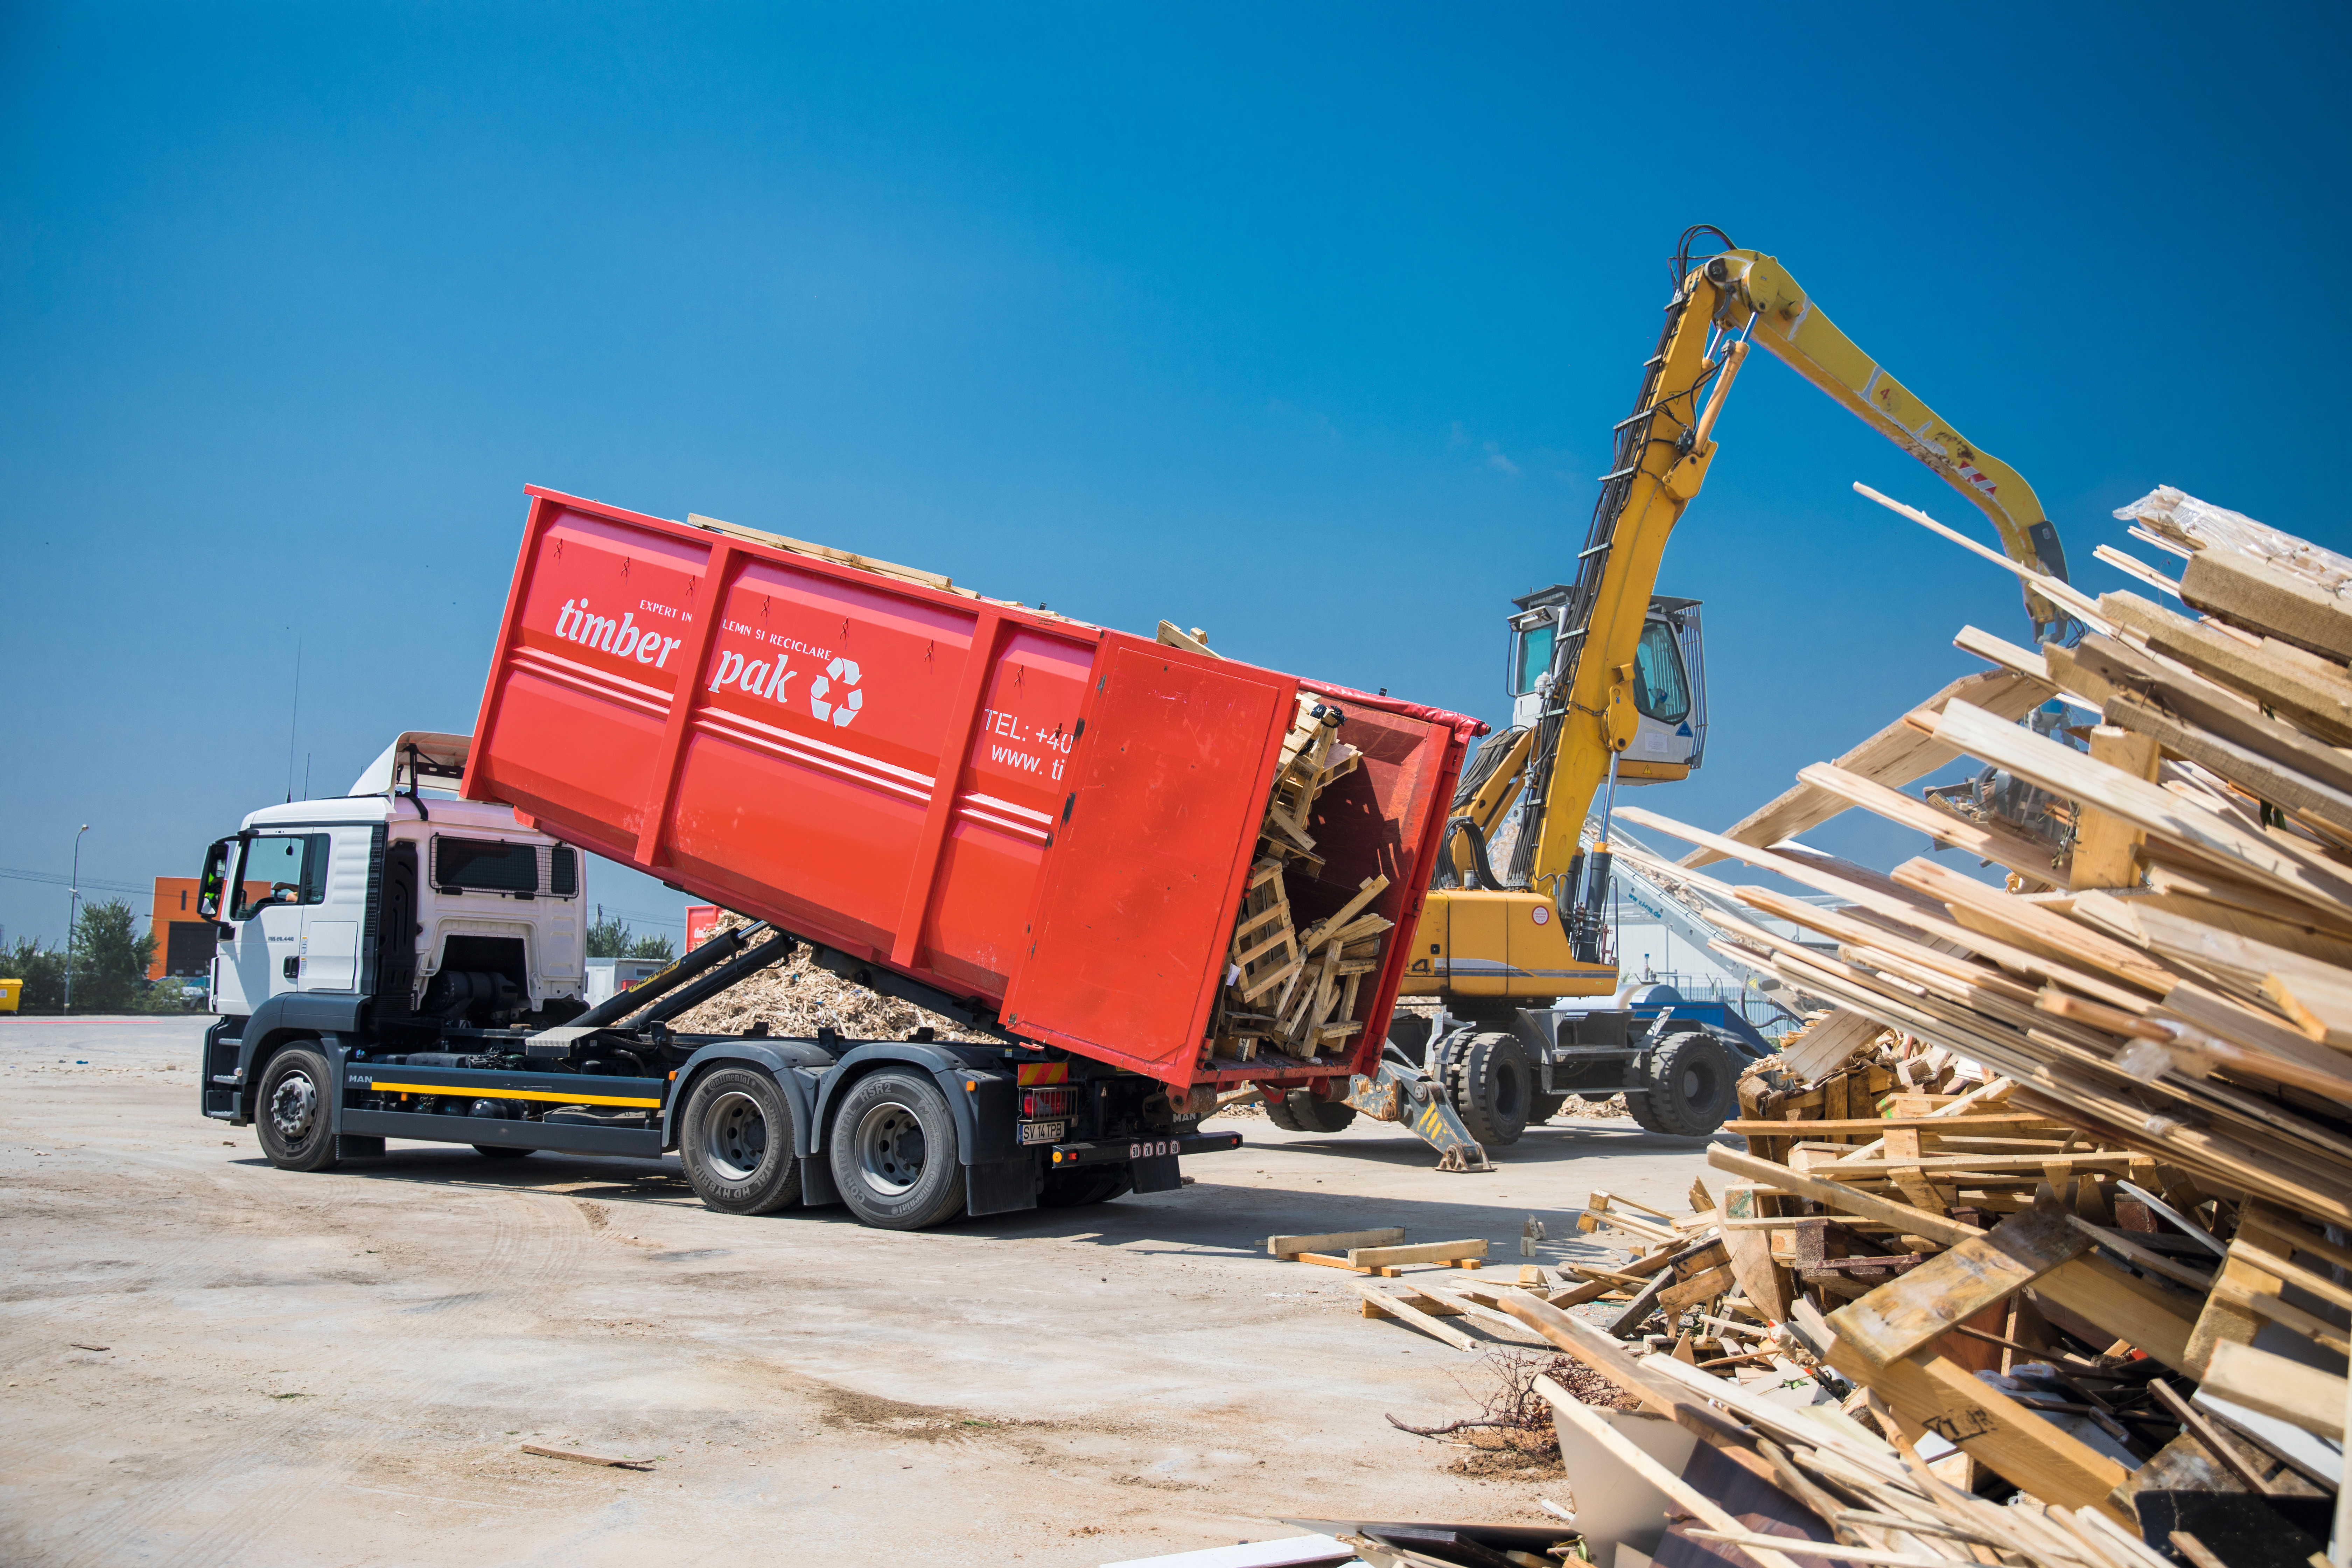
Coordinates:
[1691,1081]
[1075,1189]
[736,1143]
[1492,1085]
[1300,1112]
[894,1155]
[292,1114]
[500,1151]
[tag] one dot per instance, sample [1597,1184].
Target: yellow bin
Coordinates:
[9,989]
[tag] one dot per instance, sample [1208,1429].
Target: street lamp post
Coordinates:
[73,912]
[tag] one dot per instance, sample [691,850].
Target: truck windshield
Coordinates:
[1661,689]
[1535,658]
[281,868]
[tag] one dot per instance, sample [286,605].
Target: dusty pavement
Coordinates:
[340,1368]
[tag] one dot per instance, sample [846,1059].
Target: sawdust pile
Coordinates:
[796,998]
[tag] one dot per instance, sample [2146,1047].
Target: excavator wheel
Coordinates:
[1692,1085]
[1492,1084]
[1300,1112]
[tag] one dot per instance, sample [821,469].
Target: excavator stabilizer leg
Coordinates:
[1398,1093]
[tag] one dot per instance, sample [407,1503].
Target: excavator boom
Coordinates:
[1723,305]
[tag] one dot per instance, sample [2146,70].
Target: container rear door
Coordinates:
[1135,908]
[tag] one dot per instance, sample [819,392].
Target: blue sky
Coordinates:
[1304,325]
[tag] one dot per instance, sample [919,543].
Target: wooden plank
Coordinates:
[1467,1303]
[1326,1260]
[2152,1318]
[2318,999]
[827,552]
[1404,1312]
[1321,931]
[2030,925]
[2257,774]
[1908,1312]
[1986,841]
[2107,848]
[1287,1246]
[2002,654]
[1946,1124]
[2321,707]
[2266,598]
[578,1459]
[1175,635]
[2275,1385]
[1905,1219]
[2286,1314]
[1939,1393]
[2151,680]
[1704,1286]
[2162,814]
[1762,1281]
[1386,1255]
[1895,756]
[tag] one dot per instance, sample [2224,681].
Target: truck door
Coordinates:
[267,894]
[332,920]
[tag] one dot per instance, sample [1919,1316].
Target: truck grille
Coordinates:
[1039,1103]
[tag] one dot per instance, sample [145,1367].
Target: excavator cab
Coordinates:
[1669,681]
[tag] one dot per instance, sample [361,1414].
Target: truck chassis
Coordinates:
[906,1133]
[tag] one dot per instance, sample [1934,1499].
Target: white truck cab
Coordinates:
[436,906]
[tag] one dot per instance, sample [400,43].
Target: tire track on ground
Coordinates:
[535,1245]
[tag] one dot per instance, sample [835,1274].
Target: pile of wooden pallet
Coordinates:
[1292,991]
[2053,1209]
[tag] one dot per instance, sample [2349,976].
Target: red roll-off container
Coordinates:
[1005,804]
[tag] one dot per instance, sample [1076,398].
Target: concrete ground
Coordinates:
[209,1361]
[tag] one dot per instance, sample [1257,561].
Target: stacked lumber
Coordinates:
[1292,992]
[2051,1214]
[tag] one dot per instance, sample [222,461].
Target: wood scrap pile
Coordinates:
[2047,1225]
[2099,1254]
[1294,992]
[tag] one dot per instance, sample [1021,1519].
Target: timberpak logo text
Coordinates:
[758,677]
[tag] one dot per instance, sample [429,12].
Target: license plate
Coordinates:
[1041,1132]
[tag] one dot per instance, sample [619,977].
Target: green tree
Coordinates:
[608,938]
[43,971]
[109,958]
[613,939]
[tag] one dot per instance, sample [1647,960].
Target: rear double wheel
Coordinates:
[737,1143]
[1492,1085]
[1692,1085]
[1300,1112]
[892,1151]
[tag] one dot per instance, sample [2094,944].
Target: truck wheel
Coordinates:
[894,1153]
[736,1143]
[1691,1087]
[292,1113]
[1075,1189]
[1300,1112]
[500,1151]
[1544,1107]
[1492,1085]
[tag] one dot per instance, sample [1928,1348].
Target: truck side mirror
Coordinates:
[215,879]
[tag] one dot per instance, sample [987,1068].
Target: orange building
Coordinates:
[185,940]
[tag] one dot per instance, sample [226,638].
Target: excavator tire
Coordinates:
[1300,1112]
[1691,1082]
[1491,1083]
